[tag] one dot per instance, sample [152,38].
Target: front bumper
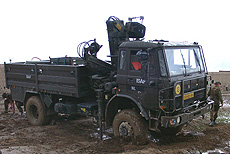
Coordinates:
[174,121]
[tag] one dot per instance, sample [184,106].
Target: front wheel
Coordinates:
[129,124]
[35,111]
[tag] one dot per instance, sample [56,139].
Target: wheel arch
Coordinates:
[117,102]
[29,94]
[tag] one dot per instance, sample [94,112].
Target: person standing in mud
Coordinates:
[8,100]
[215,95]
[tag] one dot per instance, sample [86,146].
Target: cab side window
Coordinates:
[162,63]
[123,60]
[135,62]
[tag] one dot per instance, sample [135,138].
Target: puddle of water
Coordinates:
[216,151]
[97,135]
[153,138]
[105,135]
[193,134]
[226,149]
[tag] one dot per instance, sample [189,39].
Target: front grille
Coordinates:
[195,84]
[192,91]
[198,95]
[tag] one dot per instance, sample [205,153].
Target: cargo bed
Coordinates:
[68,80]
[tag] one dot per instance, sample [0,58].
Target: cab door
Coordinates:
[142,79]
[122,71]
[136,78]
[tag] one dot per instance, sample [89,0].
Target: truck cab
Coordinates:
[166,80]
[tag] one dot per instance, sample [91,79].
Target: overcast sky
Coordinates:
[54,28]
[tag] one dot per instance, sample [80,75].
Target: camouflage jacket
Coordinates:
[216,95]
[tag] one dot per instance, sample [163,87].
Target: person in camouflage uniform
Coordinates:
[8,100]
[215,95]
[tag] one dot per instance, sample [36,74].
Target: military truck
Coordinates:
[148,85]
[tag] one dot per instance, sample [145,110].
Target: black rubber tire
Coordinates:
[36,112]
[171,131]
[134,122]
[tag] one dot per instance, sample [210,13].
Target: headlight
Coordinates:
[178,120]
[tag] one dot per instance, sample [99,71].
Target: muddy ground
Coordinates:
[80,135]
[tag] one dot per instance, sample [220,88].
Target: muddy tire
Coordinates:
[36,112]
[171,131]
[128,124]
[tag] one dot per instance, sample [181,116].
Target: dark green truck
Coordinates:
[147,85]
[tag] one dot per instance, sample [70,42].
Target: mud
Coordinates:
[81,135]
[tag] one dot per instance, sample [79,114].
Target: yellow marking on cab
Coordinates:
[178,89]
[118,26]
[188,96]
[83,109]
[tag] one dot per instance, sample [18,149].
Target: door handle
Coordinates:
[130,79]
[152,83]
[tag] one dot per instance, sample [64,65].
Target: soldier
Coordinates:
[8,100]
[215,95]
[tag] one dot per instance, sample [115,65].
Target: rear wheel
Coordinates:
[36,112]
[129,124]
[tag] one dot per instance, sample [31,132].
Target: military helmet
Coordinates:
[217,82]
[4,95]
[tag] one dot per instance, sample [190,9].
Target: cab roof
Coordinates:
[155,44]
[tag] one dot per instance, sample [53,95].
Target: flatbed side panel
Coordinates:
[63,79]
[20,78]
[55,79]
[17,74]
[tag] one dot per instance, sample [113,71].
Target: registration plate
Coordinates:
[188,96]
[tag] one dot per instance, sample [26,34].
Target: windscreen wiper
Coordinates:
[184,63]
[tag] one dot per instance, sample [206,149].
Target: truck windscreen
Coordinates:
[183,61]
